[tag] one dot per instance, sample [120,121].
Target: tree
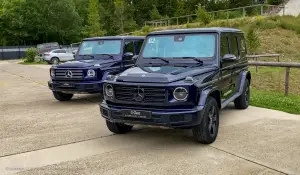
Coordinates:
[125,14]
[94,28]
[154,14]
[203,16]
[253,41]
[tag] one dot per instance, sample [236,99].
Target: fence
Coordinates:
[17,52]
[287,65]
[254,10]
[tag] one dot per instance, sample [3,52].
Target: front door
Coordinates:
[227,82]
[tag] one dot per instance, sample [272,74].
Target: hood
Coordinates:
[165,74]
[86,63]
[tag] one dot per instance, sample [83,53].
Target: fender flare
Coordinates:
[243,76]
[205,93]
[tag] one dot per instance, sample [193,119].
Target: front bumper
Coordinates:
[76,87]
[173,118]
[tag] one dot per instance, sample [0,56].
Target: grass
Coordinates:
[276,101]
[33,63]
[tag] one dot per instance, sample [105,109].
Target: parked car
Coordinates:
[182,79]
[58,55]
[96,58]
[47,47]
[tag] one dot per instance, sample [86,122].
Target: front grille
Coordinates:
[152,94]
[61,74]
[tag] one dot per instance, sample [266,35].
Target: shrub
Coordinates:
[275,2]
[203,16]
[252,41]
[31,53]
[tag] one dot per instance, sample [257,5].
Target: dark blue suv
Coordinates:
[182,79]
[95,59]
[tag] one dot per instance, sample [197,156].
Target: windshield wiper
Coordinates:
[92,56]
[153,58]
[194,58]
[110,56]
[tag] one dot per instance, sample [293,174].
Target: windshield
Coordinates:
[181,46]
[111,47]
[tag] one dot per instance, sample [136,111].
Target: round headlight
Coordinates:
[180,94]
[109,90]
[91,73]
[52,73]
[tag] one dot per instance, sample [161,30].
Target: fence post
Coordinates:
[188,19]
[283,10]
[177,20]
[213,15]
[244,12]
[227,14]
[256,65]
[278,59]
[287,78]
[262,10]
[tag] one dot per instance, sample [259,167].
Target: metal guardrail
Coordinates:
[263,9]
[287,65]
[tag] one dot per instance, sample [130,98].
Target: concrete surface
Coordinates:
[40,135]
[291,8]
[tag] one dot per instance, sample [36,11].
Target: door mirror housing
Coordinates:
[229,57]
[134,58]
[128,55]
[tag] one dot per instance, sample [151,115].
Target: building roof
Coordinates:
[114,37]
[197,30]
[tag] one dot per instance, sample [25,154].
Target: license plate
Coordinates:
[66,85]
[136,114]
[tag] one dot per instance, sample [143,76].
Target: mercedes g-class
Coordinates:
[96,58]
[182,79]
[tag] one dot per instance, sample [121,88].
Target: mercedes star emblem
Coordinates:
[69,74]
[138,94]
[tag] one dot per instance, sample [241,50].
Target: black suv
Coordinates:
[182,79]
[96,58]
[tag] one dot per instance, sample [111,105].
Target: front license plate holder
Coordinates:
[136,114]
[66,85]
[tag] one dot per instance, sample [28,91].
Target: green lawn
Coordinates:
[276,101]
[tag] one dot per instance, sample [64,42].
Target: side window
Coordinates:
[56,51]
[234,46]
[129,46]
[242,44]
[224,46]
[139,44]
[63,51]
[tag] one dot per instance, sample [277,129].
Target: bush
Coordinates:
[252,41]
[31,53]
[203,16]
[275,2]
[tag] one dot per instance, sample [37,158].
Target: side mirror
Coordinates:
[134,58]
[229,57]
[128,55]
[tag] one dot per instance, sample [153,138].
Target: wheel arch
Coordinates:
[210,92]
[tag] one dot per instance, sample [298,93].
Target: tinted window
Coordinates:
[234,46]
[179,46]
[139,46]
[242,44]
[129,46]
[112,47]
[224,46]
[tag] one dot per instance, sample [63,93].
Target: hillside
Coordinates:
[277,34]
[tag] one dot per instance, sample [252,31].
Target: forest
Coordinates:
[31,22]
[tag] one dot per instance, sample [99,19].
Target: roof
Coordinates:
[197,30]
[114,37]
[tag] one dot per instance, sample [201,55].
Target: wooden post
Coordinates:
[177,21]
[278,59]
[213,15]
[287,78]
[256,66]
[227,14]
[188,19]
[262,10]
[244,12]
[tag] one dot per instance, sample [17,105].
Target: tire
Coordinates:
[207,131]
[54,60]
[242,102]
[118,128]
[62,96]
